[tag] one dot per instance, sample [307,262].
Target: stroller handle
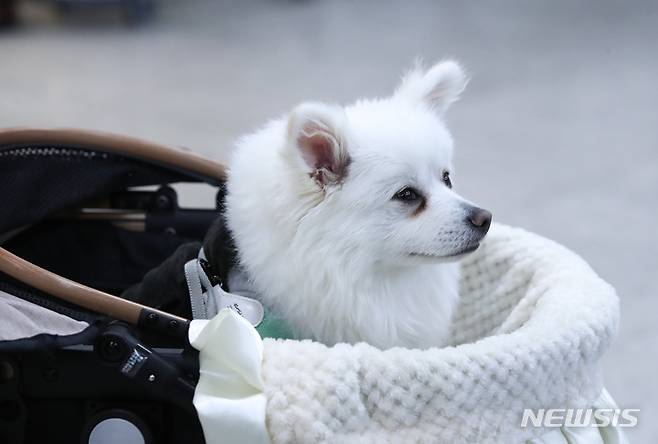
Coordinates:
[91,299]
[112,143]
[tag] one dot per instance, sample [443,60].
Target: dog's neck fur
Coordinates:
[410,307]
[290,257]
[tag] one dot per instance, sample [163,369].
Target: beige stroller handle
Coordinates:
[81,295]
[112,143]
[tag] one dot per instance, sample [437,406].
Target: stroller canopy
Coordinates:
[44,171]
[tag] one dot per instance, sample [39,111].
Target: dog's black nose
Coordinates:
[480,219]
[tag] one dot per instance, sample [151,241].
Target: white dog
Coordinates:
[345,218]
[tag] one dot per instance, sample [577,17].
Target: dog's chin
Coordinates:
[444,257]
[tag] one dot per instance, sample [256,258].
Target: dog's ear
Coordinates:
[316,131]
[438,87]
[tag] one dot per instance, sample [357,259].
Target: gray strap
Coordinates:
[197,301]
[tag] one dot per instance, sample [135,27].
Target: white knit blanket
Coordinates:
[533,322]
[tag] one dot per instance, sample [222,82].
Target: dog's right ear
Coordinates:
[316,131]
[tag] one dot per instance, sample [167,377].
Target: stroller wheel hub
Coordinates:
[110,429]
[118,425]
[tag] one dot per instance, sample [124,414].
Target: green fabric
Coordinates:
[274,327]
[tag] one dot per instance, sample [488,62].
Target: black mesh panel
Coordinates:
[39,180]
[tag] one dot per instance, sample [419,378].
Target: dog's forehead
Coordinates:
[403,135]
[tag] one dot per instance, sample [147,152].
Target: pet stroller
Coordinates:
[80,365]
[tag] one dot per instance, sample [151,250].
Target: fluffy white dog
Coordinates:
[345,218]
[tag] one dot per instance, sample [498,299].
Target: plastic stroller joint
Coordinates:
[164,323]
[119,348]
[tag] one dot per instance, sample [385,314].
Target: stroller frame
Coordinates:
[109,370]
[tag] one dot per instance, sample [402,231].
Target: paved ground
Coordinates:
[558,131]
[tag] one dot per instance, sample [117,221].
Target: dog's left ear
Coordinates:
[316,131]
[438,87]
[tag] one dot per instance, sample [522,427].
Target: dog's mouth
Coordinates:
[462,252]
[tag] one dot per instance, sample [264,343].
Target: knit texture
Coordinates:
[532,324]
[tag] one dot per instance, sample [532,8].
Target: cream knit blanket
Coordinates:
[533,322]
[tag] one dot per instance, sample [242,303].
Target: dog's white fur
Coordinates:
[311,207]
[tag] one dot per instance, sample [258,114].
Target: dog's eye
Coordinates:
[446,179]
[408,194]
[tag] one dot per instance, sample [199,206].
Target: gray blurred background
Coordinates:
[557,132]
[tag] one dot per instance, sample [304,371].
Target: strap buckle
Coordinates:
[208,297]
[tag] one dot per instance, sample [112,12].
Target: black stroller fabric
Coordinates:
[98,255]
